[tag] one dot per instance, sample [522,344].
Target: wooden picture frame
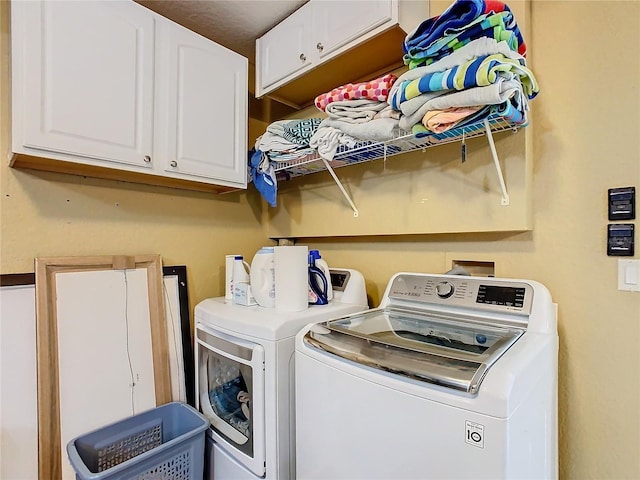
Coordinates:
[49,425]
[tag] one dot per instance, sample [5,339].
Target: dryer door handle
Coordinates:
[225,347]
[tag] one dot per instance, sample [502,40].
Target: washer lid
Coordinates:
[428,347]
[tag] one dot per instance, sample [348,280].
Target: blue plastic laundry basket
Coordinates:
[165,443]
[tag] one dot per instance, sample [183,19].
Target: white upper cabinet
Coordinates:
[201,117]
[92,98]
[111,89]
[327,43]
[341,23]
[287,49]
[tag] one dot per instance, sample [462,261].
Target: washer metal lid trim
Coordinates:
[420,348]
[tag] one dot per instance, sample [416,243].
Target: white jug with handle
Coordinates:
[263,275]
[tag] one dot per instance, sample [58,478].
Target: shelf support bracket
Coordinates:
[339,183]
[494,154]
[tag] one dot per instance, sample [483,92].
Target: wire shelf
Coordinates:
[403,142]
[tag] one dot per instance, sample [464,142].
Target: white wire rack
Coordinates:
[404,142]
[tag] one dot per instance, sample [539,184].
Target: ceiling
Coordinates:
[235,24]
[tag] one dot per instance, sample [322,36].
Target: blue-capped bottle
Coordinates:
[319,281]
[322,265]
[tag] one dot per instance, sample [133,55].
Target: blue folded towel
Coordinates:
[462,22]
[264,179]
[458,15]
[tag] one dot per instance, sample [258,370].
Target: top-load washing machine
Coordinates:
[245,379]
[451,377]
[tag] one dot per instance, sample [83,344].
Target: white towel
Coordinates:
[269,142]
[355,111]
[379,129]
[277,127]
[327,140]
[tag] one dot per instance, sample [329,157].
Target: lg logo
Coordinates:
[474,434]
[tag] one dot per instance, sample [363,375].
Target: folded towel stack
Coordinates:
[465,66]
[462,22]
[471,56]
[355,112]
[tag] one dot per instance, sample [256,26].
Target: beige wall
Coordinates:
[586,129]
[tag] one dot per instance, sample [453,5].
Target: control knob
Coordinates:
[444,289]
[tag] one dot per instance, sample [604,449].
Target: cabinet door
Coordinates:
[339,23]
[285,49]
[83,79]
[201,102]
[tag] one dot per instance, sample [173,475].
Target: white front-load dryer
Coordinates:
[245,379]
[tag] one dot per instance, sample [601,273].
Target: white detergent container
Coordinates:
[240,272]
[263,277]
[241,289]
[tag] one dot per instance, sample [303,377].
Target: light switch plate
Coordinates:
[629,275]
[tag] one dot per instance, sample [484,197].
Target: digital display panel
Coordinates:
[496,295]
[339,280]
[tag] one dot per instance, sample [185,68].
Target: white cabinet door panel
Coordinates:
[315,34]
[91,68]
[205,100]
[286,49]
[337,23]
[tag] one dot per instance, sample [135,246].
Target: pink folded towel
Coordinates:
[377,89]
[439,121]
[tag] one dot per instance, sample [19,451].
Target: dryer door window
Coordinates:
[231,394]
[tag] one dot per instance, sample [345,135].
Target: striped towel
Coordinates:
[479,72]
[475,48]
[511,113]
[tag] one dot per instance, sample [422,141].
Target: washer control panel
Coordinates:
[499,295]
[463,291]
[445,289]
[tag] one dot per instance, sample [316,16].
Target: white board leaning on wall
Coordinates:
[18,359]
